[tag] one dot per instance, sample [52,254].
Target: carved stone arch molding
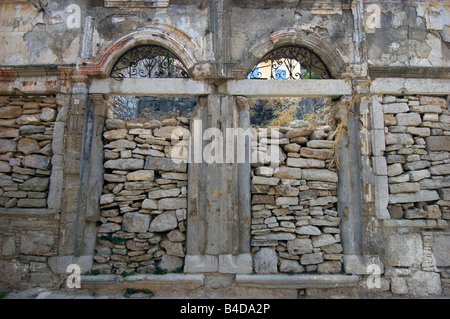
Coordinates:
[175,40]
[330,56]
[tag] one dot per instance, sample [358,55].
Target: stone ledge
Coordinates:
[26,212]
[419,223]
[168,281]
[300,281]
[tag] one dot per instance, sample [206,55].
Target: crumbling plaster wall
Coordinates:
[410,35]
[51,32]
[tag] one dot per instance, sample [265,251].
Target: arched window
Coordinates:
[148,61]
[290,63]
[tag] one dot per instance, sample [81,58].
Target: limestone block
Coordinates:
[305,162]
[378,142]
[265,180]
[28,146]
[6,132]
[376,114]
[299,246]
[292,148]
[36,242]
[323,175]
[395,108]
[404,250]
[379,165]
[37,161]
[323,240]
[173,249]
[427,109]
[121,144]
[443,169]
[441,249]
[165,164]
[299,132]
[47,114]
[7,146]
[308,230]
[419,131]
[4,167]
[399,138]
[316,153]
[415,176]
[399,286]
[164,222]
[420,196]
[115,134]
[31,119]
[125,164]
[286,201]
[266,261]
[322,201]
[141,175]
[408,119]
[394,169]
[10,112]
[290,266]
[404,188]
[161,193]
[311,259]
[438,143]
[135,222]
[36,184]
[171,263]
[149,204]
[324,144]
[424,284]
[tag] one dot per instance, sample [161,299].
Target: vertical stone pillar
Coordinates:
[219,189]
[83,180]
[353,199]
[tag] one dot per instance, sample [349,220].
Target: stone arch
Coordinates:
[311,41]
[175,40]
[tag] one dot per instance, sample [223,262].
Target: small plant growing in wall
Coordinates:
[114,240]
[132,291]
[159,271]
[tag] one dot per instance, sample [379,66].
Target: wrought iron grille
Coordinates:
[148,61]
[290,63]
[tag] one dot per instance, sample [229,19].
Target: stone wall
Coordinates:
[26,136]
[295,224]
[31,147]
[417,165]
[144,201]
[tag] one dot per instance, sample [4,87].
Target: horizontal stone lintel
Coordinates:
[287,88]
[150,87]
[416,223]
[26,212]
[300,281]
[167,281]
[409,86]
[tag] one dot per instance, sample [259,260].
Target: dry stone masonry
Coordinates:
[416,165]
[295,224]
[144,201]
[27,126]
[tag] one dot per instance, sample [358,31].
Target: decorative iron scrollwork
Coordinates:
[290,63]
[148,61]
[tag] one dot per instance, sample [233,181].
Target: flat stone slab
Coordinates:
[300,281]
[167,281]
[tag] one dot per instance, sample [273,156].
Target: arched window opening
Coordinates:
[290,63]
[148,61]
